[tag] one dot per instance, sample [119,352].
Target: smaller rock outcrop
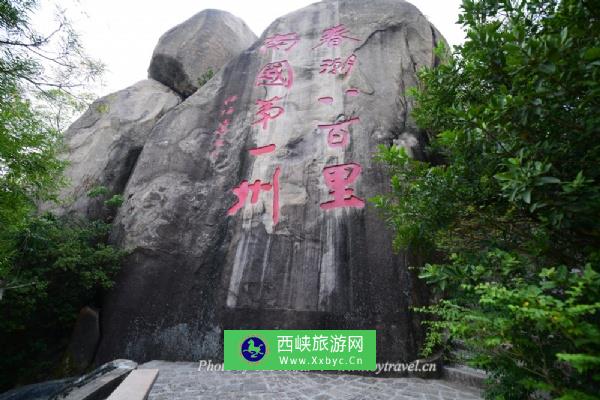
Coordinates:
[104,143]
[84,340]
[207,41]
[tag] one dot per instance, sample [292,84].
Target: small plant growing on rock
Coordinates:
[205,77]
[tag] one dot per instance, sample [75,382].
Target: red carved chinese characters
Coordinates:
[228,110]
[336,66]
[230,99]
[278,73]
[258,151]
[337,178]
[285,42]
[267,111]
[332,37]
[256,187]
[338,134]
[223,127]
[352,92]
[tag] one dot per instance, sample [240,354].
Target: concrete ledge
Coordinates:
[98,384]
[465,375]
[136,386]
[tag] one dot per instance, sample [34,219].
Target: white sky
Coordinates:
[123,33]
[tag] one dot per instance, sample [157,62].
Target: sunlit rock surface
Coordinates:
[104,143]
[213,248]
[208,40]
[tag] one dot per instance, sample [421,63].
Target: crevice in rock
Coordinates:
[116,185]
[435,62]
[387,28]
[412,59]
[129,166]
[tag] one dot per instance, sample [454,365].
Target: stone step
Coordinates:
[465,375]
[136,386]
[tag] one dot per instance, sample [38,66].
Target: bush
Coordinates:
[49,267]
[205,77]
[58,266]
[513,201]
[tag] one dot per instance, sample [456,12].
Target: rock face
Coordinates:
[84,340]
[105,142]
[247,207]
[206,41]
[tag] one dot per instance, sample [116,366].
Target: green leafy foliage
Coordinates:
[28,156]
[513,200]
[102,191]
[58,266]
[49,267]
[98,191]
[115,201]
[205,77]
[41,77]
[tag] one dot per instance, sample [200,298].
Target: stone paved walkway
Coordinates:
[183,381]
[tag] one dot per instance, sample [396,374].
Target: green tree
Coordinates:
[61,265]
[43,61]
[28,156]
[49,267]
[512,200]
[41,81]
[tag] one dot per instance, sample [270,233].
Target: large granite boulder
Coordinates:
[248,206]
[207,41]
[105,142]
